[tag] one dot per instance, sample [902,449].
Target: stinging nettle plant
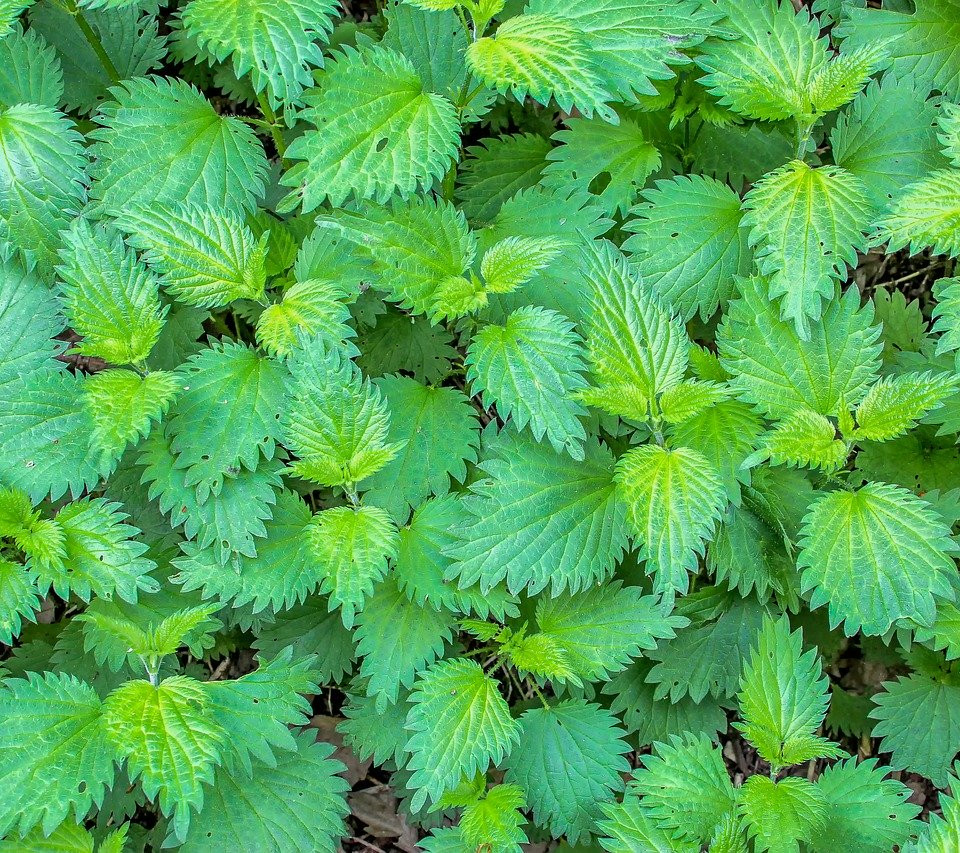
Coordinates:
[563,396]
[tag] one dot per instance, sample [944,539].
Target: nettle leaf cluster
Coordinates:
[521,378]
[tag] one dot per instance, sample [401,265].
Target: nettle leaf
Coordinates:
[887,137]
[780,814]
[309,308]
[378,132]
[108,296]
[920,44]
[337,422]
[674,499]
[919,724]
[542,56]
[416,247]
[628,826]
[778,371]
[635,347]
[600,629]
[29,318]
[281,573]
[494,820]
[169,740]
[41,182]
[300,804]
[9,11]
[30,72]
[806,225]
[784,698]
[924,215]
[205,257]
[688,243]
[568,761]
[766,71]
[684,787]
[531,368]
[439,433]
[592,150]
[496,170]
[895,404]
[275,41]
[875,555]
[947,314]
[388,665]
[19,600]
[539,518]
[941,832]
[805,438]
[864,807]
[460,723]
[231,394]
[196,155]
[351,547]
[70,763]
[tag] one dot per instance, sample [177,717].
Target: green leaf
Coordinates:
[919,724]
[125,406]
[781,814]
[921,43]
[601,629]
[531,368]
[568,761]
[513,261]
[227,414]
[496,170]
[875,555]
[542,56]
[687,243]
[388,665]
[684,787]
[765,72]
[629,827]
[439,433]
[29,318]
[400,342]
[205,258]
[19,600]
[228,522]
[69,764]
[591,149]
[337,422]
[101,555]
[708,656]
[805,439]
[309,308]
[941,833]
[886,138]
[778,372]
[351,547]
[539,518]
[460,723]
[30,72]
[300,805]
[415,247]
[9,11]
[41,183]
[281,574]
[377,132]
[674,499]
[632,341]
[947,314]
[196,155]
[895,404]
[494,820]
[783,698]
[275,41]
[169,741]
[806,225]
[864,808]
[258,710]
[924,215]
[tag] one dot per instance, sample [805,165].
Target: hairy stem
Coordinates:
[273,124]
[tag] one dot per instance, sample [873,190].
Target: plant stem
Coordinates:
[94,41]
[273,124]
[539,693]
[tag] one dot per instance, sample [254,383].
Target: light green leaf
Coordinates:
[310,308]
[805,439]
[531,368]
[895,404]
[460,723]
[875,555]
[629,827]
[377,132]
[924,215]
[781,814]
